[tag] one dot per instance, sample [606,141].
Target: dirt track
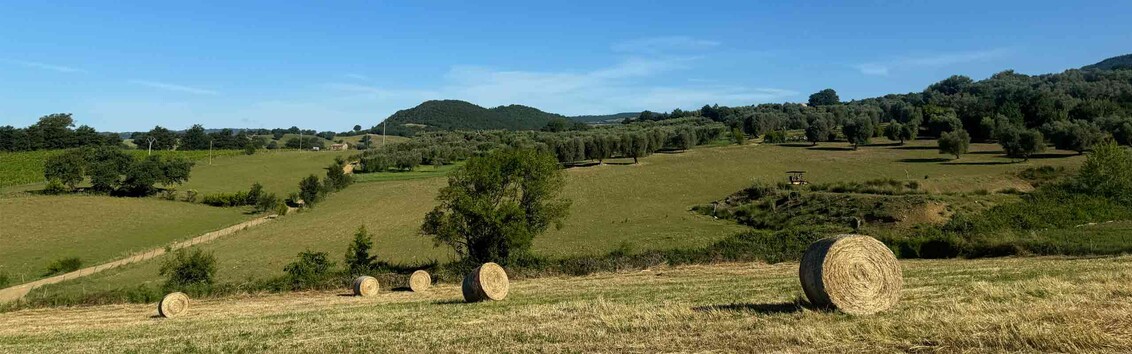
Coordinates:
[18,292]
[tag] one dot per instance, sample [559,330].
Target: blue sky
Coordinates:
[123,66]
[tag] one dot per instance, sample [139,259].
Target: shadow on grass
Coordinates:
[1051,156]
[978,163]
[925,160]
[830,148]
[797,145]
[620,163]
[988,152]
[885,144]
[916,148]
[346,295]
[768,309]
[581,164]
[450,302]
[401,289]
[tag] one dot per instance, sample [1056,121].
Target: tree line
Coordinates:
[54,131]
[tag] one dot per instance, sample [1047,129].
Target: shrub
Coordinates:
[310,190]
[54,186]
[267,202]
[4,280]
[309,270]
[358,258]
[281,209]
[168,194]
[191,195]
[226,199]
[64,265]
[254,194]
[774,137]
[186,271]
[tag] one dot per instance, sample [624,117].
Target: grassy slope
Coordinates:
[990,305]
[21,171]
[279,171]
[644,205]
[34,231]
[376,138]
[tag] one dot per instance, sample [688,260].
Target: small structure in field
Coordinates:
[853,273]
[420,281]
[315,148]
[486,282]
[366,286]
[173,304]
[797,177]
[340,147]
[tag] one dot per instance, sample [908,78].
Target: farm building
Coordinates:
[338,147]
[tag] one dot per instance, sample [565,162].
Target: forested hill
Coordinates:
[1118,62]
[461,115]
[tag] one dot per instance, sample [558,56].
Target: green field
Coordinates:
[376,138]
[279,171]
[24,170]
[1049,304]
[38,230]
[645,206]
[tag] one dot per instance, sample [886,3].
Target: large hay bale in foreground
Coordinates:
[173,304]
[853,273]
[486,282]
[366,286]
[419,281]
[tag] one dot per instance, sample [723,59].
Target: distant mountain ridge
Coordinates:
[437,115]
[1114,63]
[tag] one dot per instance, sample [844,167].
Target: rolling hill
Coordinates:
[1117,62]
[461,115]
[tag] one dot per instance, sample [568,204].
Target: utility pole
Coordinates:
[150,140]
[210,152]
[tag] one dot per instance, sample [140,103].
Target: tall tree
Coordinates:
[495,205]
[954,143]
[825,97]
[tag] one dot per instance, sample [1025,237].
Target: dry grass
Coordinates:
[991,305]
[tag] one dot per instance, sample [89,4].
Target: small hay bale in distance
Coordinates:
[173,304]
[853,273]
[366,286]
[420,281]
[486,282]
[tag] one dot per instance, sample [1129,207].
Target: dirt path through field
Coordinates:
[17,292]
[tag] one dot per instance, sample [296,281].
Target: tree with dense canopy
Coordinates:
[954,143]
[858,131]
[825,97]
[495,205]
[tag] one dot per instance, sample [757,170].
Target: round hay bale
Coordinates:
[173,304]
[853,273]
[420,281]
[366,286]
[486,282]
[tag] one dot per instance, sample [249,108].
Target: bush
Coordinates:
[226,199]
[311,269]
[191,195]
[267,202]
[54,186]
[65,265]
[310,190]
[192,272]
[281,209]
[358,258]
[168,194]
[4,280]
[774,137]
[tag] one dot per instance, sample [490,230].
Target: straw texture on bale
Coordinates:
[853,273]
[366,286]
[173,304]
[420,281]
[486,282]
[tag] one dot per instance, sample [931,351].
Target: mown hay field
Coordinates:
[279,171]
[1045,304]
[645,206]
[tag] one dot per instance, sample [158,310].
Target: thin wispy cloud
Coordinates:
[657,45]
[175,87]
[627,85]
[356,76]
[939,60]
[45,66]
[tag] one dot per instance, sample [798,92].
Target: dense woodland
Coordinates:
[460,115]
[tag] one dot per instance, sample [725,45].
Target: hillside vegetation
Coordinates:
[989,305]
[461,115]
[1117,62]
